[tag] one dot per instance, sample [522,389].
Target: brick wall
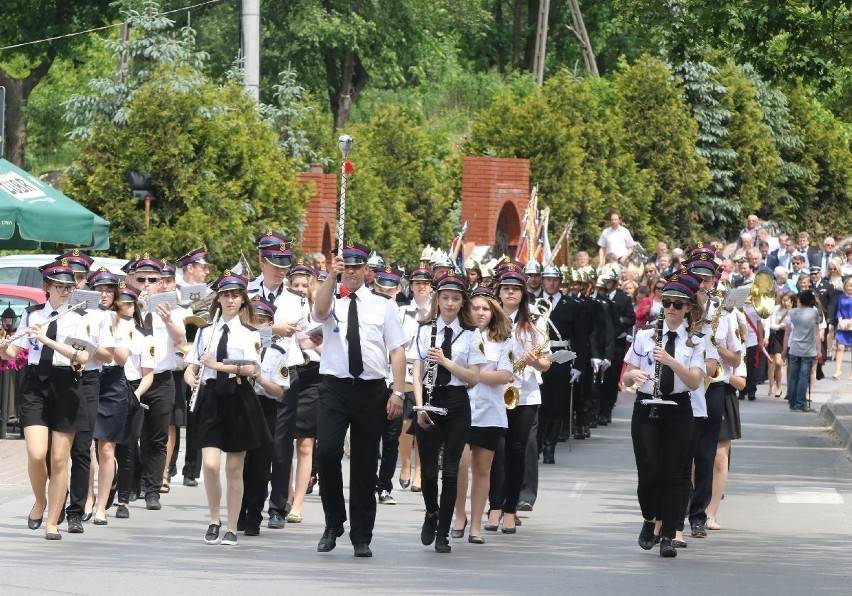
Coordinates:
[320,212]
[491,187]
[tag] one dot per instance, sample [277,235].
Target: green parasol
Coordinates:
[33,213]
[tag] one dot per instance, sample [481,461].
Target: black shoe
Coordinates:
[87,516]
[212,535]
[679,543]
[75,524]
[752,397]
[442,545]
[430,526]
[593,423]
[252,530]
[586,432]
[53,536]
[525,506]
[416,489]
[242,524]
[362,549]
[602,421]
[122,512]
[403,484]
[152,502]
[459,533]
[311,483]
[276,522]
[666,548]
[35,524]
[190,482]
[646,536]
[698,529]
[230,539]
[329,539]
[475,540]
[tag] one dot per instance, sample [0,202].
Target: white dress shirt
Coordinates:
[487,407]
[378,327]
[641,355]
[243,344]
[468,346]
[70,325]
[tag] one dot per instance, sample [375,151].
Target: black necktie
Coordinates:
[667,374]
[447,348]
[271,297]
[553,299]
[222,354]
[148,322]
[353,336]
[45,361]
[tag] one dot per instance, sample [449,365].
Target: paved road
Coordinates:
[787,520]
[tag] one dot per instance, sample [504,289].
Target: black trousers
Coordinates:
[127,452]
[611,377]
[390,454]
[529,485]
[752,372]
[192,455]
[81,448]
[705,453]
[450,432]
[180,394]
[282,448]
[257,469]
[160,399]
[521,420]
[498,476]
[361,407]
[661,446]
[686,473]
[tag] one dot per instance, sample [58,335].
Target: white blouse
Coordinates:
[468,346]
[487,407]
[243,344]
[641,355]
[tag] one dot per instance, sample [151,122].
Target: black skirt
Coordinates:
[178,417]
[112,405]
[230,417]
[486,437]
[776,341]
[731,427]
[307,387]
[56,402]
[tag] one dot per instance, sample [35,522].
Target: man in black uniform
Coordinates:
[558,381]
[595,323]
[623,320]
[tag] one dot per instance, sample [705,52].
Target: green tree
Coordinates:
[398,199]
[219,174]
[661,133]
[23,68]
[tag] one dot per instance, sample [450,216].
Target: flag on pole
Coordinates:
[543,253]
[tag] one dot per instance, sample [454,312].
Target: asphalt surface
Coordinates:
[786,517]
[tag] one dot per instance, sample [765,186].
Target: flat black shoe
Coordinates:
[430,526]
[53,536]
[404,483]
[679,543]
[276,522]
[329,539]
[506,530]
[252,531]
[34,524]
[459,533]
[362,549]
[525,506]
[442,545]
[416,489]
[190,482]
[87,516]
[666,548]
[122,512]
[646,536]
[241,525]
[475,540]
[152,502]
[75,524]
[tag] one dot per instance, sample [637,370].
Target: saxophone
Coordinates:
[719,373]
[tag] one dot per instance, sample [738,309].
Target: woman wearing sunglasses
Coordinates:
[666,360]
[51,403]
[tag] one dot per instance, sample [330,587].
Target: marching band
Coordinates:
[460,367]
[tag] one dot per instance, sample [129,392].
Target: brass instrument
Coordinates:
[719,373]
[762,296]
[541,313]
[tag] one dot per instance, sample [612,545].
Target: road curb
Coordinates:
[839,418]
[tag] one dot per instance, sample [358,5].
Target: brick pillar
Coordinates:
[320,212]
[495,193]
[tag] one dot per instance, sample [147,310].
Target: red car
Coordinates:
[17,298]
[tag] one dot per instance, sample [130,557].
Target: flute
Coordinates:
[6,341]
[195,390]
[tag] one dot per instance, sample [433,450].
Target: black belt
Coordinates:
[306,367]
[351,381]
[678,397]
[34,367]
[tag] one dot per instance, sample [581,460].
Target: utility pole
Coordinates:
[541,41]
[250,15]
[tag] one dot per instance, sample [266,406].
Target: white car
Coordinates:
[22,270]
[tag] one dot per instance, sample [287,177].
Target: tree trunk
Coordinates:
[499,52]
[17,94]
[533,8]
[517,25]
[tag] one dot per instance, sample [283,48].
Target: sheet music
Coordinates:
[91,298]
[155,300]
[265,336]
[193,292]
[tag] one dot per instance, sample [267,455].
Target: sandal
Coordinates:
[165,488]
[712,524]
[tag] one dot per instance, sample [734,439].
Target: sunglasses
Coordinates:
[150,280]
[676,304]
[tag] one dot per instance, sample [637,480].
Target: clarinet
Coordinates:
[432,370]
[193,398]
[658,333]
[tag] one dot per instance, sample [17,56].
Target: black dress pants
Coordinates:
[257,468]
[451,433]
[661,449]
[283,449]
[390,454]
[705,453]
[360,406]
[160,399]
[521,420]
[81,448]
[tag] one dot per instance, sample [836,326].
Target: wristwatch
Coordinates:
[399,394]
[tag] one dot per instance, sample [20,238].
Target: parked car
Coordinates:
[18,298]
[22,270]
